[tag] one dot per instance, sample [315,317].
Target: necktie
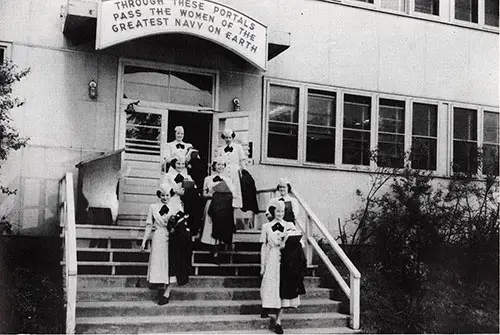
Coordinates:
[228,149]
[281,199]
[217,178]
[163,210]
[278,226]
[179,146]
[179,178]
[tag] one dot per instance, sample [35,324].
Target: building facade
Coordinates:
[338,80]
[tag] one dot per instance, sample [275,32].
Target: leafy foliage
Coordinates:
[9,136]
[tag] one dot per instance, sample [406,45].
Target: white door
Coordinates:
[143,130]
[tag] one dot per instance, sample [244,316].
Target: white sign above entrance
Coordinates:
[124,20]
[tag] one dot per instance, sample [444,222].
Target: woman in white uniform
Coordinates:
[160,274]
[176,148]
[234,157]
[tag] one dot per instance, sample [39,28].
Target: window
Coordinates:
[424,136]
[465,140]
[356,134]
[321,111]
[466,10]
[4,51]
[491,12]
[162,85]
[490,143]
[427,6]
[2,55]
[283,126]
[391,129]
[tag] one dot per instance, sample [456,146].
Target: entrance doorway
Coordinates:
[197,131]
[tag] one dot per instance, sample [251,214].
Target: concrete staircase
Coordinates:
[218,298]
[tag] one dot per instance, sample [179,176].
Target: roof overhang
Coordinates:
[107,23]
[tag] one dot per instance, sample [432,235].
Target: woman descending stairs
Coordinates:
[113,295]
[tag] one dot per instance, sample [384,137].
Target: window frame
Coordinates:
[441,112]
[451,137]
[337,125]
[480,135]
[7,47]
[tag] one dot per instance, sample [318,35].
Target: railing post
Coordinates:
[355,302]
[309,251]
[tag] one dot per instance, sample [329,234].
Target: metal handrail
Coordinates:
[352,291]
[67,218]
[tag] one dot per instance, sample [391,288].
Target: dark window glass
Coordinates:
[427,6]
[490,143]
[424,136]
[2,55]
[466,10]
[356,133]
[491,12]
[465,140]
[283,122]
[391,126]
[321,111]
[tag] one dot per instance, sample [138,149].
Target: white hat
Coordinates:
[283,182]
[228,132]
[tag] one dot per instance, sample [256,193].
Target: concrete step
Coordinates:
[89,281]
[188,307]
[178,323]
[186,293]
[332,330]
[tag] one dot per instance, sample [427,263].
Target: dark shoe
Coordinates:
[163,300]
[278,329]
[264,314]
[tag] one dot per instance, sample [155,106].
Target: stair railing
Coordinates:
[67,221]
[352,291]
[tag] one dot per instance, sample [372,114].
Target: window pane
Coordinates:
[356,147]
[465,124]
[283,104]
[2,55]
[399,5]
[427,6]
[283,122]
[357,111]
[283,140]
[391,116]
[390,150]
[191,89]
[143,133]
[321,110]
[490,159]
[491,12]
[424,119]
[145,84]
[423,153]
[320,144]
[465,157]
[466,10]
[490,127]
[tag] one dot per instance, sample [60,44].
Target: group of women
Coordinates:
[171,229]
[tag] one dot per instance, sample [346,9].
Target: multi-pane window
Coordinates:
[491,12]
[391,133]
[465,140]
[427,6]
[283,123]
[356,133]
[424,136]
[466,10]
[490,143]
[321,110]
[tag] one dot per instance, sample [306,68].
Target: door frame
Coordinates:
[123,61]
